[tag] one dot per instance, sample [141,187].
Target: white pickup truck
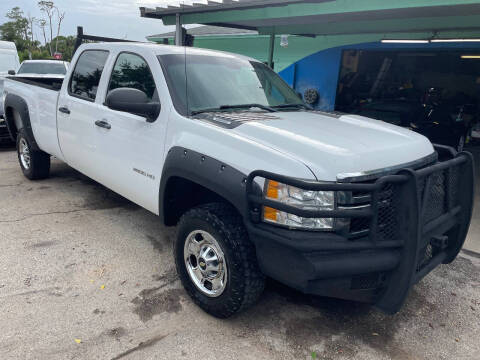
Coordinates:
[258,183]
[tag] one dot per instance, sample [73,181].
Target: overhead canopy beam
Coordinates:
[328,17]
[214,6]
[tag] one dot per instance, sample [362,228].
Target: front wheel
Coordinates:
[34,164]
[216,261]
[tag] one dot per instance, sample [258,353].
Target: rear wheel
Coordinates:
[34,164]
[216,261]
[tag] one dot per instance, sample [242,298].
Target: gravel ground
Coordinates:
[86,274]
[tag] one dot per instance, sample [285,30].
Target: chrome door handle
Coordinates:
[64,110]
[103,124]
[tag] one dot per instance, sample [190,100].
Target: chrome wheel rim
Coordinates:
[205,263]
[24,153]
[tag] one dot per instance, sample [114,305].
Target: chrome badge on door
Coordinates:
[141,172]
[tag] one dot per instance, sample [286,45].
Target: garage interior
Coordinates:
[380,75]
[412,86]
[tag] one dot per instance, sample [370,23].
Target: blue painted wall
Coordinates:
[320,71]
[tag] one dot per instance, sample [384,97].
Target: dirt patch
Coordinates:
[339,333]
[338,329]
[150,302]
[168,277]
[116,333]
[157,244]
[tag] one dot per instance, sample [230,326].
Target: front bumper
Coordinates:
[414,221]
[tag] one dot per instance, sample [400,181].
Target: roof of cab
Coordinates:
[45,62]
[159,49]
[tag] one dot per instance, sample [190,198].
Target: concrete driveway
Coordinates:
[86,274]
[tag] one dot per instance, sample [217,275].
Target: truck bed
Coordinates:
[40,93]
[51,82]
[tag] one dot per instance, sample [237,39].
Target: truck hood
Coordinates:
[333,145]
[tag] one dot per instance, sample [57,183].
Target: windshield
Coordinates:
[223,81]
[42,68]
[7,62]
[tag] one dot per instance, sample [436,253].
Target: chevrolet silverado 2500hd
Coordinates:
[257,182]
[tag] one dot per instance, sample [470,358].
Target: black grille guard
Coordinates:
[433,209]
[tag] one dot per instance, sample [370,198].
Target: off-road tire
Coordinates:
[39,161]
[245,281]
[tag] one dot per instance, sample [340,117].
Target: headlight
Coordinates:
[302,199]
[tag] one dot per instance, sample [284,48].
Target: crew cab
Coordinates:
[257,183]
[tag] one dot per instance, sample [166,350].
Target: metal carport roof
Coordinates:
[328,17]
[439,18]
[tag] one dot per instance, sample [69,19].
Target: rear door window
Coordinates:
[87,73]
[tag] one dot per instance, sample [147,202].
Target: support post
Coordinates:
[178,30]
[271,49]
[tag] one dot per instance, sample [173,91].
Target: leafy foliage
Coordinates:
[20,30]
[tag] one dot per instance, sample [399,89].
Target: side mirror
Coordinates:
[133,101]
[11,72]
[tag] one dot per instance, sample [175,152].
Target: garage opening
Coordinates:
[436,93]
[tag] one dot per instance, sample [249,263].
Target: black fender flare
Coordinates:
[210,173]
[20,105]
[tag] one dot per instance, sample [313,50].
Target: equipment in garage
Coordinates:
[436,93]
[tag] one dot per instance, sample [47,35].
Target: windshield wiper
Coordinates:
[196,112]
[285,106]
[248,106]
[227,107]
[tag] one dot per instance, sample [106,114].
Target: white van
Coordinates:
[8,61]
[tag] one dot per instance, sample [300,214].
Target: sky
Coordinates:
[111,18]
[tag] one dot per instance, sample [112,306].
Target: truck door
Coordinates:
[78,110]
[130,148]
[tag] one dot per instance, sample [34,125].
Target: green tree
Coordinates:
[16,29]
[19,29]
[64,45]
